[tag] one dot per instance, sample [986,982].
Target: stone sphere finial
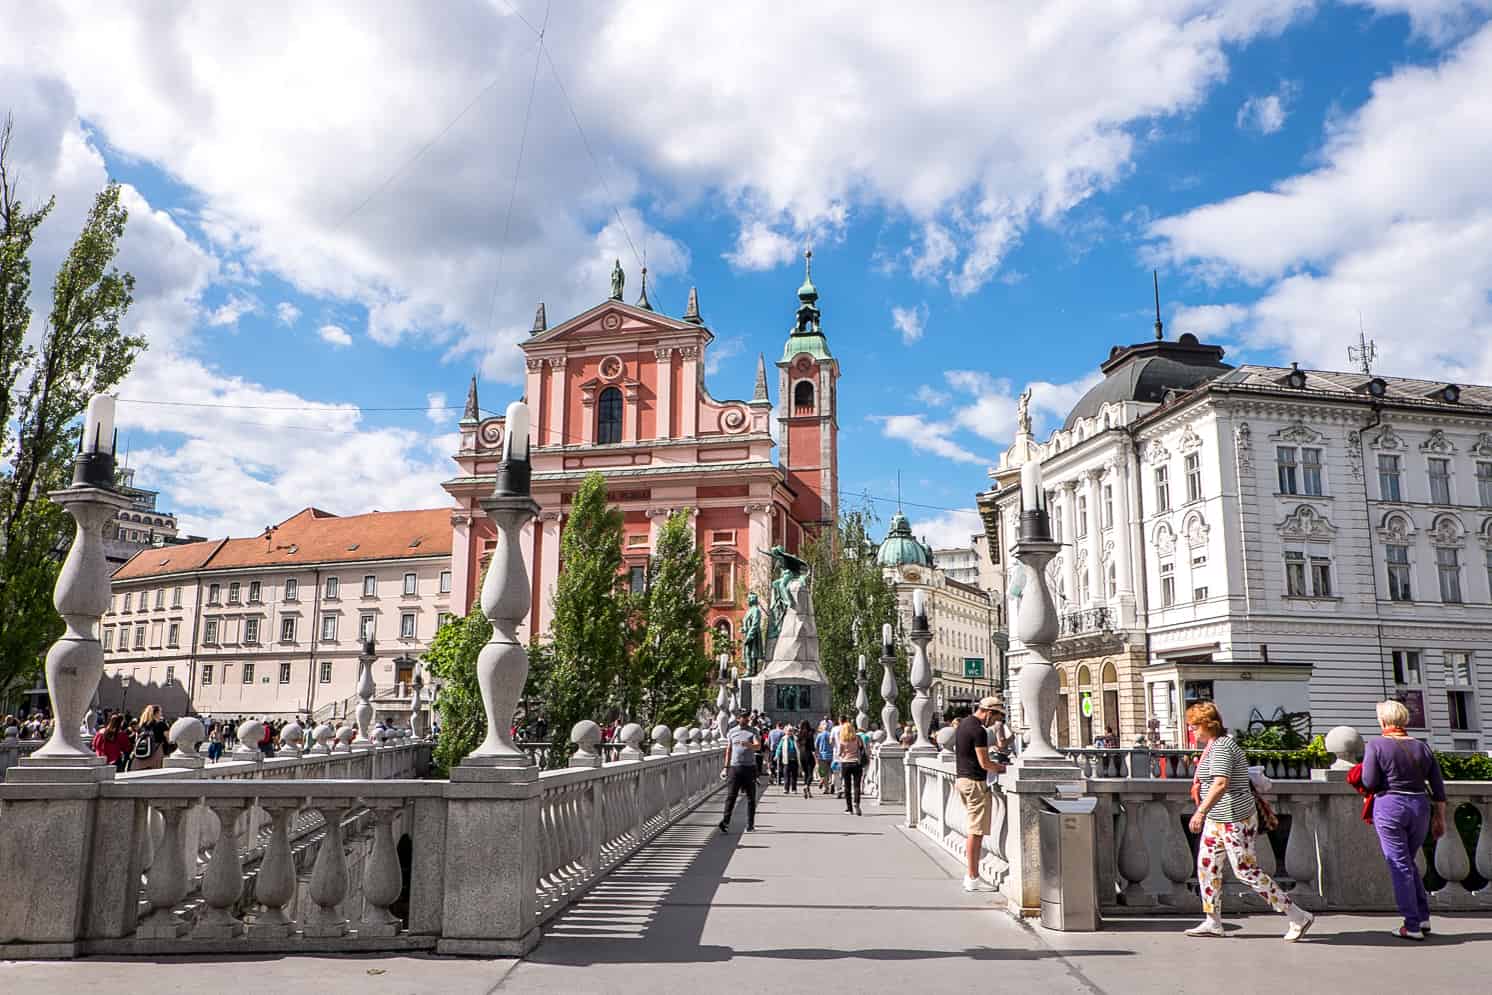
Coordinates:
[1346,742]
[323,735]
[879,736]
[631,734]
[662,741]
[697,739]
[186,732]
[586,736]
[345,736]
[681,740]
[250,733]
[944,738]
[293,737]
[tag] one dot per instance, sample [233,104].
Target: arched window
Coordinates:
[609,416]
[803,396]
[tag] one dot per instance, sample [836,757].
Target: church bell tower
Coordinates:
[808,417]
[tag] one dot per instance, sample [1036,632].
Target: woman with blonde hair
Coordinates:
[1228,820]
[849,751]
[149,752]
[1408,792]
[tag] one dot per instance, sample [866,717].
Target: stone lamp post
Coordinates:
[506,596]
[922,704]
[365,688]
[722,699]
[862,699]
[890,754]
[75,663]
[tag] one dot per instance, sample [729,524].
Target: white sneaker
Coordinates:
[1297,929]
[976,884]
[1207,927]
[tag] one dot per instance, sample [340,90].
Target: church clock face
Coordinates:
[805,365]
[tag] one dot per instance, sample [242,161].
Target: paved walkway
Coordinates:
[820,900]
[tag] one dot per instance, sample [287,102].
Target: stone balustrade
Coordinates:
[938,813]
[13,749]
[343,851]
[1322,853]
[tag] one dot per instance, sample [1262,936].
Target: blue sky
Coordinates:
[319,230]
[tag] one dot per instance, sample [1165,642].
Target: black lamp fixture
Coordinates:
[514,470]
[94,464]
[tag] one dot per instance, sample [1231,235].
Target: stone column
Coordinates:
[922,706]
[460,560]
[1097,582]
[1070,541]
[1124,608]
[549,565]
[365,689]
[862,700]
[890,755]
[663,413]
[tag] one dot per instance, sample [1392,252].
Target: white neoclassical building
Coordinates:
[1273,539]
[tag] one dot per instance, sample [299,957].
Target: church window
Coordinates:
[803,397]
[609,417]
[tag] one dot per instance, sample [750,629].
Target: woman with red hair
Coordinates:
[1228,820]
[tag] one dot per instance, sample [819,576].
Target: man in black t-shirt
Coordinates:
[972,764]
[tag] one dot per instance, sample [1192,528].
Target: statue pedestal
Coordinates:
[799,699]
[892,758]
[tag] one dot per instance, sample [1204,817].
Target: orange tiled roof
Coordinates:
[308,537]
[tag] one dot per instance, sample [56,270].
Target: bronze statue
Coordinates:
[618,280]
[753,639]
[792,574]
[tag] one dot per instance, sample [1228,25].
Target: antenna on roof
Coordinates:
[898,490]
[1365,352]
[1159,328]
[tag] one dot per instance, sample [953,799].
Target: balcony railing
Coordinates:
[1089,620]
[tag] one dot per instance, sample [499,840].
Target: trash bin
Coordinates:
[1069,878]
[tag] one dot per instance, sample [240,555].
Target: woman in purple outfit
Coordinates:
[1408,792]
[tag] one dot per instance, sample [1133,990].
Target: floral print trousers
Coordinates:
[1237,838]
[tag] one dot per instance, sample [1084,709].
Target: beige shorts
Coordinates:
[976,803]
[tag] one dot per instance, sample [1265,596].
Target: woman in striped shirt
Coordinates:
[1228,820]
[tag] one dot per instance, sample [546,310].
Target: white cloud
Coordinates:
[287,313]
[947,529]
[436,409]
[1395,224]
[931,436]
[235,307]
[1267,114]
[932,397]
[911,322]
[1435,20]
[1207,321]
[334,334]
[759,247]
[724,347]
[990,406]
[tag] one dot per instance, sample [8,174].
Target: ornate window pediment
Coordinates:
[1447,531]
[1190,441]
[1298,433]
[1437,443]
[1396,528]
[1306,522]
[1163,539]
[1483,447]
[1156,453]
[1485,535]
[1386,438]
[1196,529]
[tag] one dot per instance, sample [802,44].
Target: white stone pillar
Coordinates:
[1124,566]
[1097,583]
[460,560]
[663,413]
[533,386]
[689,415]
[549,564]
[656,517]
[556,435]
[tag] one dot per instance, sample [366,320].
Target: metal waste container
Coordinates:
[1069,877]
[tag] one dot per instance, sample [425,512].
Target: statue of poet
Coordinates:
[753,636]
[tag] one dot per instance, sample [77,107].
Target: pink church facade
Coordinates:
[619,389]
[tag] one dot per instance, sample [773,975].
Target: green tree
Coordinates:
[452,657]
[585,672]
[848,586]
[44,387]
[671,664]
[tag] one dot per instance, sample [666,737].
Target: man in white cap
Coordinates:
[973,765]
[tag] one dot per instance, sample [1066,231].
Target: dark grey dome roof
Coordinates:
[1144,372]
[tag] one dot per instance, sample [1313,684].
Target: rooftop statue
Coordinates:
[618,280]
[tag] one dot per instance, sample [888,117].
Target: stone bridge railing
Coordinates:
[938,813]
[12,750]
[338,853]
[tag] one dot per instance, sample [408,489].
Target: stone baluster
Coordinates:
[166,884]
[722,701]
[1451,860]
[1483,840]
[419,720]
[382,880]
[329,876]
[1301,850]
[586,736]
[891,776]
[274,886]
[222,883]
[1176,860]
[1134,856]
[681,740]
[1264,850]
[890,716]
[862,698]
[186,733]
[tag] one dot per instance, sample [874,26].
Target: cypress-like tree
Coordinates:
[673,668]
[848,585]
[452,657]
[585,673]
